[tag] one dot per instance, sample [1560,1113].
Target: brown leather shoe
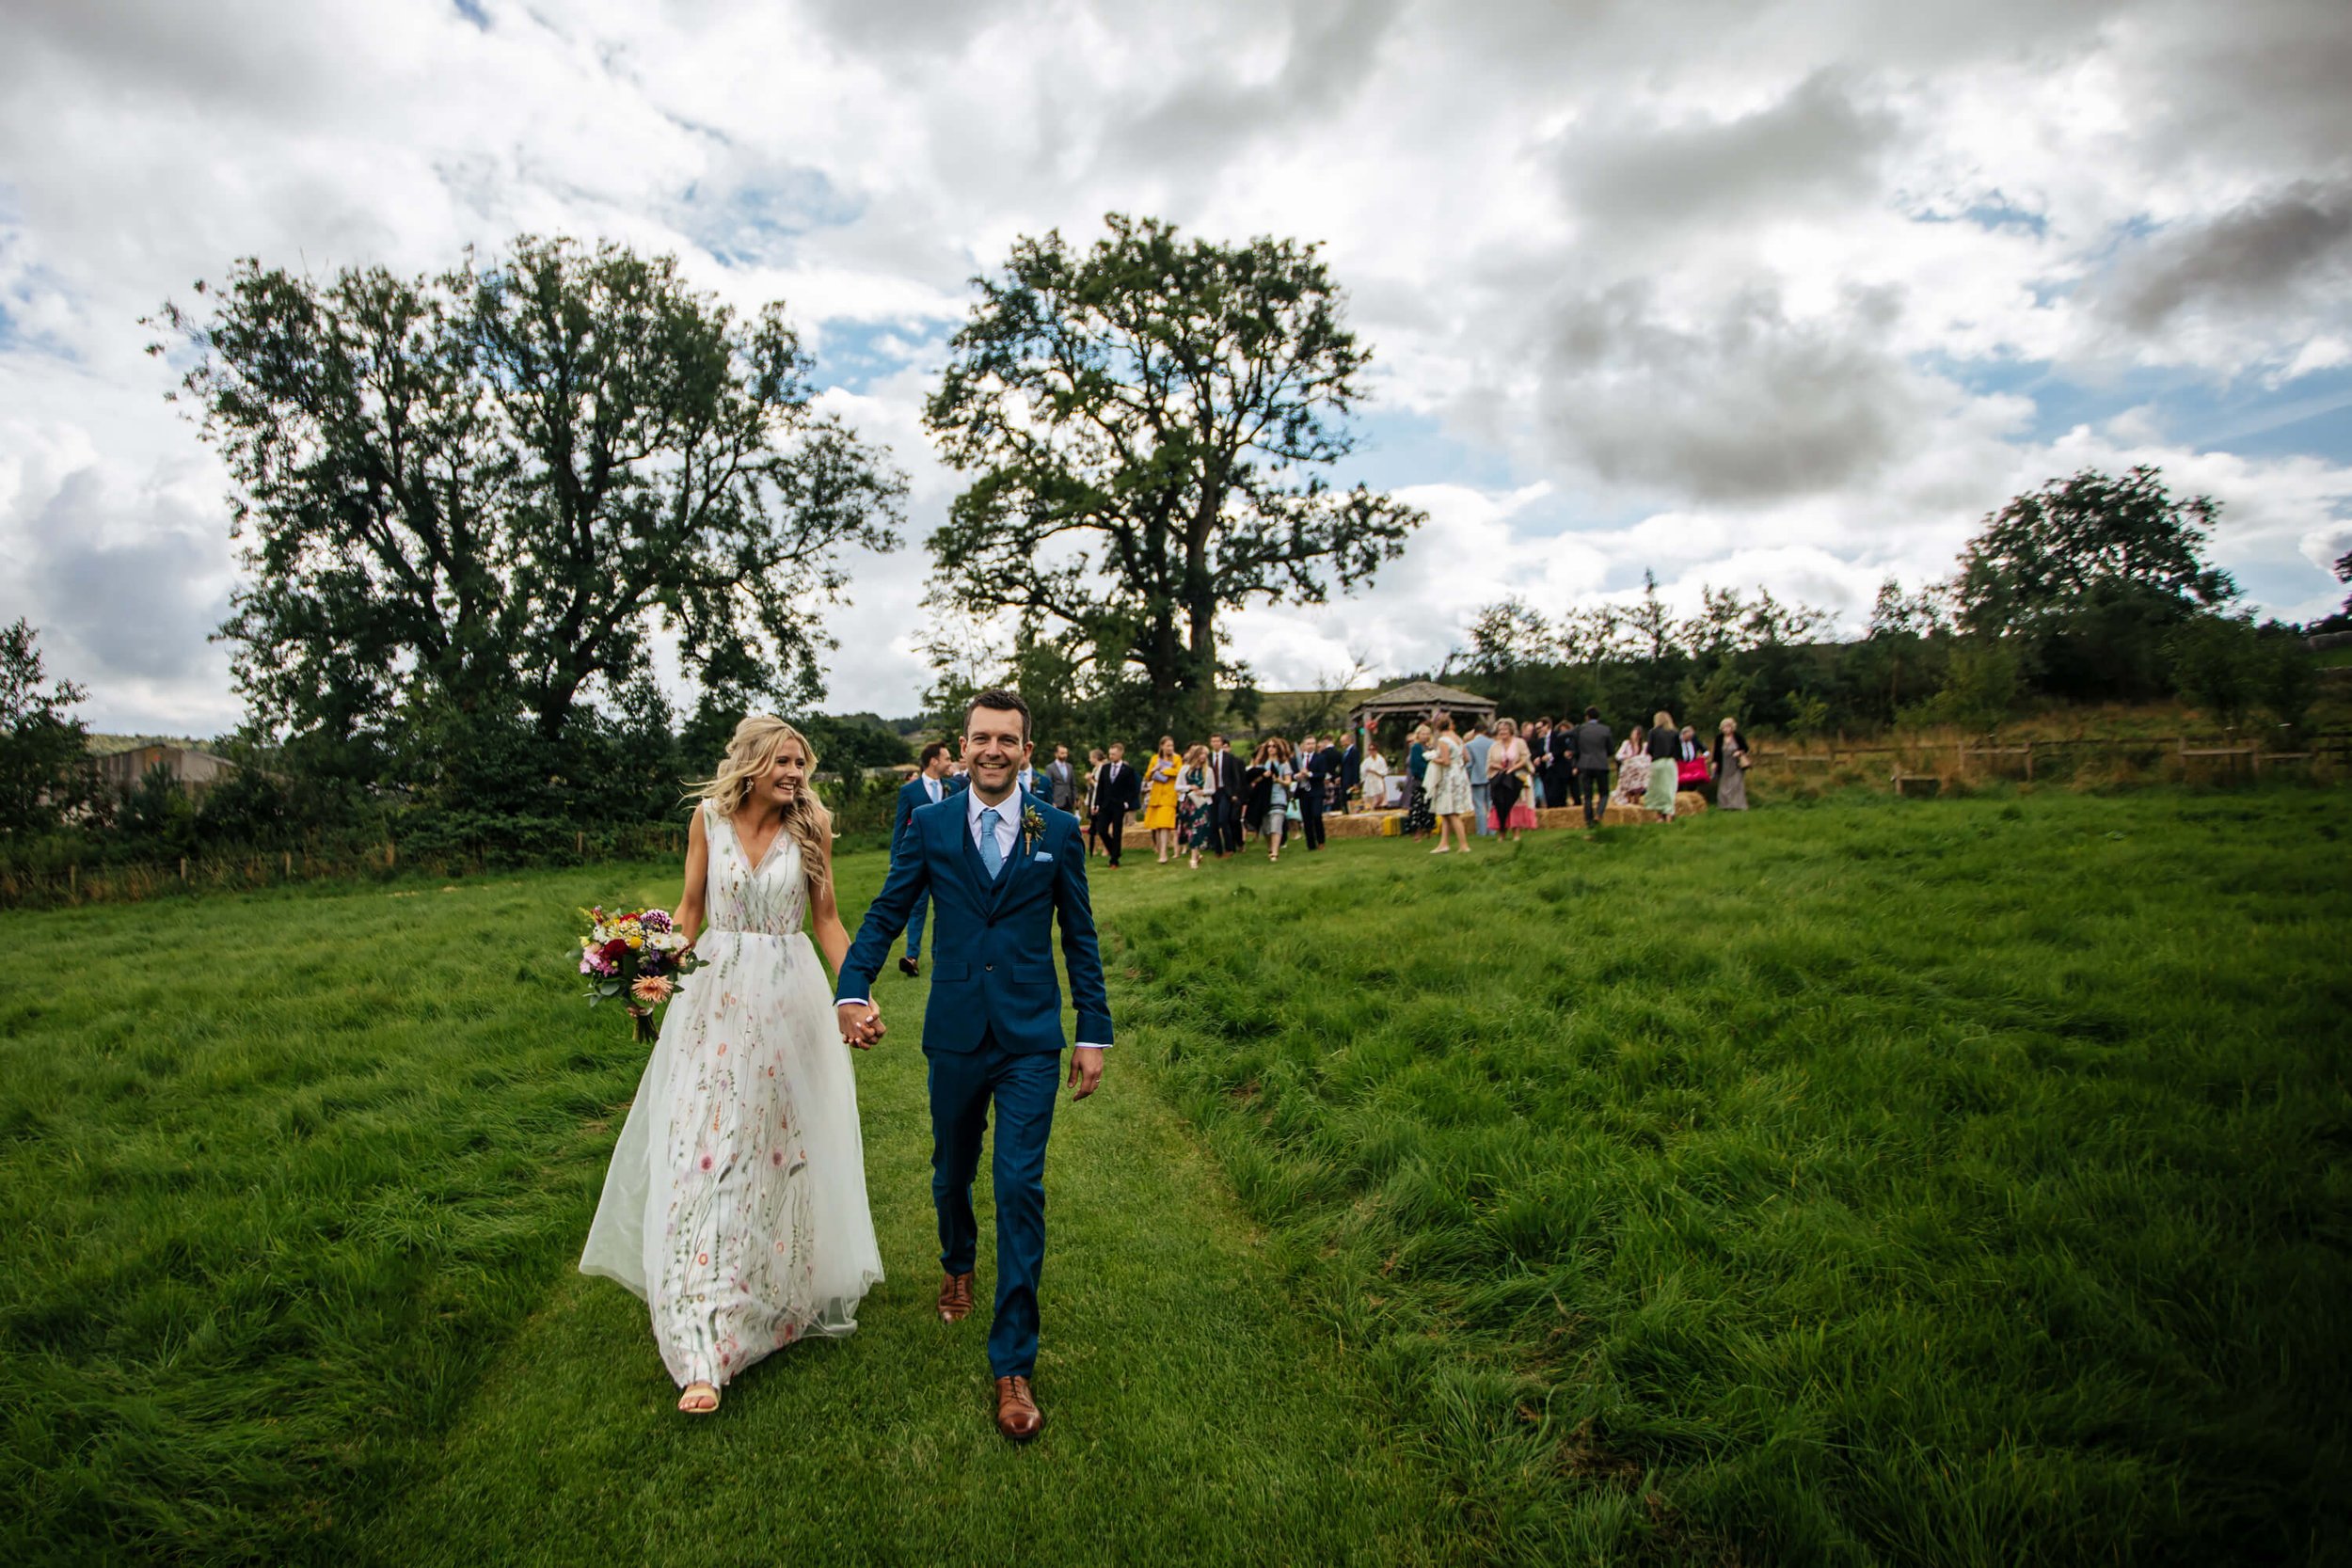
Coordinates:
[907,967]
[955,1297]
[1017,1415]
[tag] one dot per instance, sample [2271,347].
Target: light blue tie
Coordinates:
[991,856]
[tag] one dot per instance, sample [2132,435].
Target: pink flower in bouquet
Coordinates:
[653,990]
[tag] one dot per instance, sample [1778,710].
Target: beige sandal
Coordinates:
[698,1408]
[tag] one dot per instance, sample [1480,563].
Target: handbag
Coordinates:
[1690,771]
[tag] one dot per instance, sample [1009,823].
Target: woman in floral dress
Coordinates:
[1632,769]
[1193,816]
[734,1206]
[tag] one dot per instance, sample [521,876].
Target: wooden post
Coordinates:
[73,881]
[2029,762]
[392,856]
[582,839]
[183,871]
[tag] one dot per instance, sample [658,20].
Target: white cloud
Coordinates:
[1726,290]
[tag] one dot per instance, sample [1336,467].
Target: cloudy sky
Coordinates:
[1753,293]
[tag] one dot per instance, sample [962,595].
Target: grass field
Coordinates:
[1961,1182]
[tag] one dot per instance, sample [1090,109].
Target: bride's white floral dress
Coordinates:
[735,1202]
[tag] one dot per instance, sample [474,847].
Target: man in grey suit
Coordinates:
[1593,741]
[1061,782]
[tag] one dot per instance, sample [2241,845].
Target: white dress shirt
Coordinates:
[1008,824]
[935,788]
[1007,831]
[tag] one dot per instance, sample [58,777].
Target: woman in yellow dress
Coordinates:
[1159,799]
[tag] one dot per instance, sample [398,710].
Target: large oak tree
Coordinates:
[473,494]
[1149,422]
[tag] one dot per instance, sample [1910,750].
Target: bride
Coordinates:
[735,1202]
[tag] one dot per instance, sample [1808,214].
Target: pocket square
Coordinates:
[1042,855]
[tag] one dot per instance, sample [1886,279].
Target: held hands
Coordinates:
[1086,1071]
[861,1023]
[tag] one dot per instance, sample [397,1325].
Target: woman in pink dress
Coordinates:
[1509,767]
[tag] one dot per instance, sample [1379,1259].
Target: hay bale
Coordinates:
[1363,824]
[1690,803]
[1559,816]
[1627,817]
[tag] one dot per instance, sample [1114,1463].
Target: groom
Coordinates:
[1000,865]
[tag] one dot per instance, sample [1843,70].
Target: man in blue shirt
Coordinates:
[1480,742]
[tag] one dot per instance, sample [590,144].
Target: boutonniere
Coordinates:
[1032,827]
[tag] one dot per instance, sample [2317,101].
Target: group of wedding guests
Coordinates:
[1207,800]
[1494,779]
[1490,779]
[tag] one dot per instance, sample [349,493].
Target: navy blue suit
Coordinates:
[913,797]
[992,1029]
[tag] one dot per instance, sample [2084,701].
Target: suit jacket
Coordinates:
[1225,772]
[992,940]
[1594,746]
[913,798]
[1324,766]
[1123,791]
[1563,747]
[1063,780]
[1351,767]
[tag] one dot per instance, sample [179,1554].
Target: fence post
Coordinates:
[183,871]
[581,842]
[73,879]
[2029,762]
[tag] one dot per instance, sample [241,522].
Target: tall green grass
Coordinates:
[277,1174]
[1943,1184]
[291,1190]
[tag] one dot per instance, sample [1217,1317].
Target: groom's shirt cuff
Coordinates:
[1085,1044]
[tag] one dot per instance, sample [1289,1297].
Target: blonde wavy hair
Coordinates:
[752,751]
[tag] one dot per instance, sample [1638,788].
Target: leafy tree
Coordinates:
[2092,573]
[1147,423]
[466,496]
[1651,625]
[1981,683]
[1507,636]
[45,749]
[157,815]
[2218,664]
[1896,613]
[2288,676]
[2049,553]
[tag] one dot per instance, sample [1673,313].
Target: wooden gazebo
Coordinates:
[1415,700]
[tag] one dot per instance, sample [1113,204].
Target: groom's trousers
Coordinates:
[1022,1085]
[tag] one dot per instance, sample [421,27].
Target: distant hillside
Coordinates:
[106,745]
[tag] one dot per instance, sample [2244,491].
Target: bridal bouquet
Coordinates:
[633,957]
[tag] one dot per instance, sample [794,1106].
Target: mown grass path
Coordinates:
[1191,1418]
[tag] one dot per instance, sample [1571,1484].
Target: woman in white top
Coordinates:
[1449,784]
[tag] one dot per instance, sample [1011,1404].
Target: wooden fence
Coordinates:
[135,882]
[1918,763]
